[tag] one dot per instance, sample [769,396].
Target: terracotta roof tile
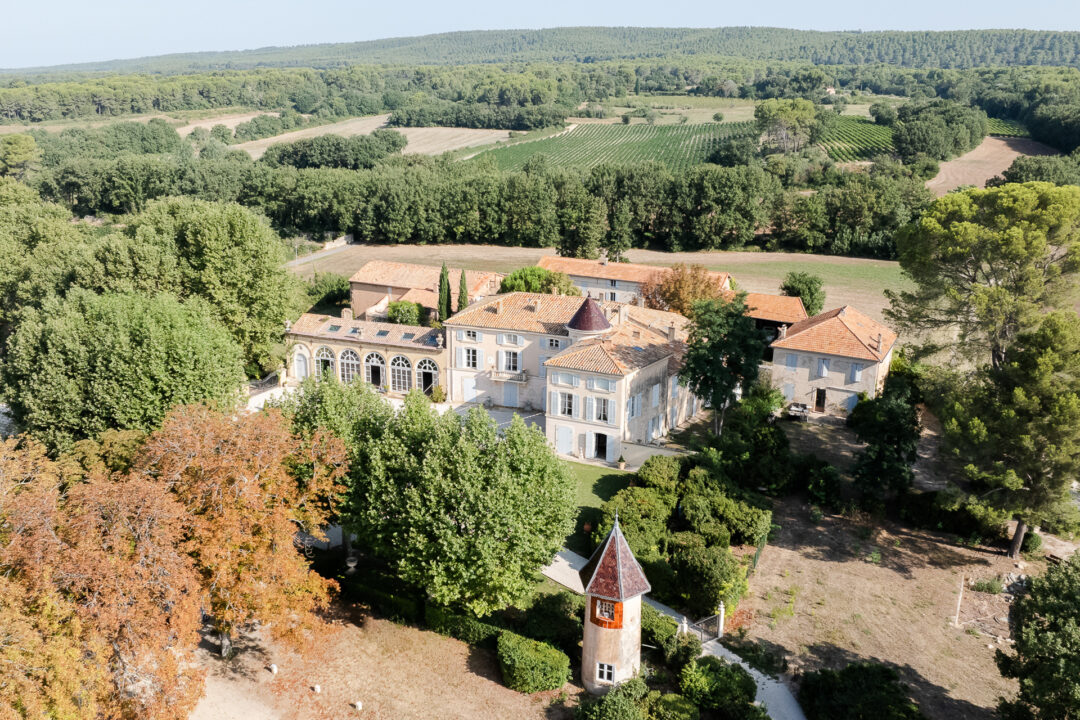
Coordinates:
[425,277]
[843,331]
[628,272]
[777,308]
[366,332]
[613,572]
[619,352]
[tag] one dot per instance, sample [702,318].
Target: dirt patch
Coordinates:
[993,157]
[840,591]
[835,444]
[395,671]
[229,121]
[848,281]
[422,141]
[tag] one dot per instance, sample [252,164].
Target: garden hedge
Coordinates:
[530,666]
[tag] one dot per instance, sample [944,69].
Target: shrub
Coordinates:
[530,666]
[643,515]
[712,684]
[704,510]
[661,473]
[860,690]
[556,618]
[991,586]
[438,394]
[706,575]
[329,288]
[680,650]
[463,627]
[1032,542]
[820,480]
[675,707]
[656,627]
[404,312]
[628,701]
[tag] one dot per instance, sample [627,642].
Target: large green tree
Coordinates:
[1047,659]
[91,363]
[538,280]
[987,263]
[723,353]
[1018,424]
[808,288]
[17,154]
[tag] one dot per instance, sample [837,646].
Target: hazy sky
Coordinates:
[67,31]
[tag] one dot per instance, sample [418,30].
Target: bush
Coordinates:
[680,650]
[463,627]
[643,515]
[991,586]
[820,480]
[1032,542]
[675,707]
[661,473]
[404,312]
[530,666]
[556,618]
[627,701]
[656,627]
[706,575]
[861,690]
[712,684]
[328,288]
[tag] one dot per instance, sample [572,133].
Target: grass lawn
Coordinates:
[595,486]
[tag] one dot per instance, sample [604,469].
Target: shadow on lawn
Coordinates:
[934,700]
[887,544]
[595,486]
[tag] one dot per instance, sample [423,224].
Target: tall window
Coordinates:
[375,369]
[603,410]
[350,365]
[427,375]
[605,672]
[512,361]
[471,358]
[400,374]
[324,362]
[566,404]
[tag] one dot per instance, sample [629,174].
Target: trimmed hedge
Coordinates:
[530,666]
[462,627]
[675,707]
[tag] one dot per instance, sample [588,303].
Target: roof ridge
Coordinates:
[851,330]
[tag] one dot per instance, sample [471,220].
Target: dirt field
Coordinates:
[426,141]
[993,157]
[185,121]
[229,121]
[853,281]
[839,591]
[395,671]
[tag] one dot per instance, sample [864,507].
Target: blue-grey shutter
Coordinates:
[500,338]
[521,341]
[792,361]
[590,383]
[590,409]
[460,355]
[574,379]
[479,359]
[543,367]
[553,402]
[460,335]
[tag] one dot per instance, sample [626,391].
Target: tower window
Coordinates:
[605,610]
[605,672]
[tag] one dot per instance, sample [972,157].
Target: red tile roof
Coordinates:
[844,331]
[627,272]
[612,572]
[425,277]
[777,308]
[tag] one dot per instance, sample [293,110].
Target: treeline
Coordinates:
[473,115]
[334,151]
[949,49]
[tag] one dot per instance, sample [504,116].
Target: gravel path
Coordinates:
[773,694]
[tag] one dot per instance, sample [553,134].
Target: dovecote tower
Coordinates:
[614,584]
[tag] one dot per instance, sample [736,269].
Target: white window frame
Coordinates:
[350,364]
[471,358]
[325,362]
[602,409]
[401,374]
[511,361]
[554,344]
[567,403]
[614,283]
[605,672]
[471,335]
[511,339]
[565,379]
[605,609]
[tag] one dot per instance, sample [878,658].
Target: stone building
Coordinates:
[613,282]
[381,282]
[611,643]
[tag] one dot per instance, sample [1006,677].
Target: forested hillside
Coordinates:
[950,49]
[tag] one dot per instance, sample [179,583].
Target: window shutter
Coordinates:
[590,383]
[792,361]
[521,341]
[553,402]
[590,445]
[479,359]
[479,337]
[590,408]
[460,335]
[574,380]
[655,394]
[460,354]
[823,367]
[611,413]
[577,406]
[543,367]
[500,358]
[500,338]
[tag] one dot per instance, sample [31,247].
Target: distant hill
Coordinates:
[947,49]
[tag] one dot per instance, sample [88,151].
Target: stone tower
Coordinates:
[614,584]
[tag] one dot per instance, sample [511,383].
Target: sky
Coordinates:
[70,31]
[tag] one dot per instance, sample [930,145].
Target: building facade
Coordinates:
[379,282]
[611,282]
[394,359]
[611,641]
[826,361]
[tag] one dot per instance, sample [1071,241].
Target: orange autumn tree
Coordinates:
[248,486]
[679,287]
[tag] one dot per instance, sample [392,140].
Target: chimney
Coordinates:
[879,340]
[783,332]
[346,313]
[536,305]
[624,313]
[671,331]
[498,307]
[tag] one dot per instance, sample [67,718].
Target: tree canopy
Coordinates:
[538,280]
[679,287]
[808,288]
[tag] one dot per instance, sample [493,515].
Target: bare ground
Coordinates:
[841,591]
[229,121]
[395,671]
[425,141]
[993,157]
[855,281]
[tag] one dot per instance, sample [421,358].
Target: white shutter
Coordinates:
[460,355]
[611,413]
[576,406]
[574,379]
[553,403]
[479,337]
[521,340]
[500,359]
[460,335]
[500,338]
[590,445]
[479,359]
[590,408]
[590,383]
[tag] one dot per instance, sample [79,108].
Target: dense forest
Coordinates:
[948,49]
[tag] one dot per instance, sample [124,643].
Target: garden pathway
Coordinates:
[773,694]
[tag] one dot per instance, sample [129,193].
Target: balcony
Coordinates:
[514,377]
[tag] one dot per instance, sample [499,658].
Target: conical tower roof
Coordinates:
[613,573]
[589,318]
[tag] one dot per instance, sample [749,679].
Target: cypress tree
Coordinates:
[444,294]
[462,293]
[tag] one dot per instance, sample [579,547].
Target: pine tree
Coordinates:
[463,293]
[444,294]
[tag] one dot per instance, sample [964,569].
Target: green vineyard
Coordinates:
[857,138]
[677,146]
[1006,128]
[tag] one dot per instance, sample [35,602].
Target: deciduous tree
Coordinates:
[808,288]
[679,287]
[538,280]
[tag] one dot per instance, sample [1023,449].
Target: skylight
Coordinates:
[408,336]
[382,333]
[333,328]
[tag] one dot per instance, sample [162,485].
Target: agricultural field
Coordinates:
[1006,128]
[855,138]
[587,145]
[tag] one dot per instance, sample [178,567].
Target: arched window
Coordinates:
[427,375]
[300,365]
[375,369]
[400,374]
[324,362]
[350,365]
